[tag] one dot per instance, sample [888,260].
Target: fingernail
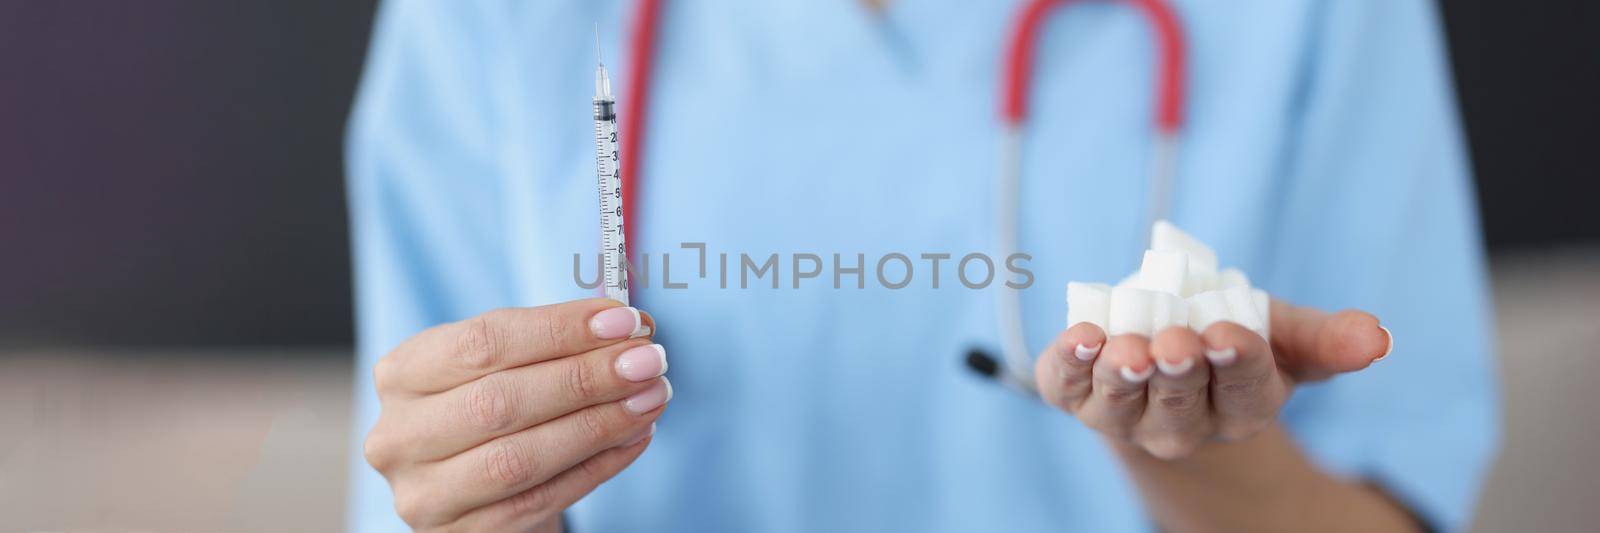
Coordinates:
[1137,377]
[1388,350]
[1086,353]
[649,399]
[618,322]
[642,436]
[1175,369]
[642,363]
[1223,357]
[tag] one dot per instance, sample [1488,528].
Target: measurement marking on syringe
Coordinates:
[613,238]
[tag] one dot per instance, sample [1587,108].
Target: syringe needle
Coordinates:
[602,79]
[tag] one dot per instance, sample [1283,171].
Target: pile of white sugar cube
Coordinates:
[1177,285]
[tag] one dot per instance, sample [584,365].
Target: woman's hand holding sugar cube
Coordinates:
[1178,354]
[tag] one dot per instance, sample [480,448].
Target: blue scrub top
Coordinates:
[1323,155]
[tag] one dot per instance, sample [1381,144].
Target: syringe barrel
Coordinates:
[613,238]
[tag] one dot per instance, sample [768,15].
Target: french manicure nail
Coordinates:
[1388,350]
[1137,377]
[1174,369]
[642,436]
[642,363]
[649,399]
[1223,357]
[618,322]
[1087,353]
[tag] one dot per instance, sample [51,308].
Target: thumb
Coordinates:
[1314,345]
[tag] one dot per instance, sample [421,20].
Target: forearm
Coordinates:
[1263,483]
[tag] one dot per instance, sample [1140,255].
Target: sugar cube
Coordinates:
[1199,281]
[1164,271]
[1164,236]
[1168,310]
[1088,302]
[1202,264]
[1231,278]
[1130,311]
[1263,304]
[1144,312]
[1177,284]
[1243,307]
[1240,305]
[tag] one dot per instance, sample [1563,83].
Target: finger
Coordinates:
[1066,367]
[1247,388]
[1316,345]
[517,462]
[1117,395]
[533,506]
[512,400]
[1177,418]
[445,356]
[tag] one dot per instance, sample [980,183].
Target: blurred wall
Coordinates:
[1528,75]
[170,171]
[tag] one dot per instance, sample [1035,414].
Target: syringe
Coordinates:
[613,240]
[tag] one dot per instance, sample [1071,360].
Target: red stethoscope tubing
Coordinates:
[1016,74]
[642,45]
[1169,78]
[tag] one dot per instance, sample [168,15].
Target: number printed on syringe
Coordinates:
[613,239]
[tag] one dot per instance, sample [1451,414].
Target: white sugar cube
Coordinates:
[1207,308]
[1088,302]
[1177,284]
[1164,271]
[1263,304]
[1130,311]
[1198,281]
[1144,312]
[1167,311]
[1164,236]
[1242,305]
[1231,278]
[1238,305]
[1202,263]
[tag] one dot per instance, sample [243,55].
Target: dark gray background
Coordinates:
[172,169]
